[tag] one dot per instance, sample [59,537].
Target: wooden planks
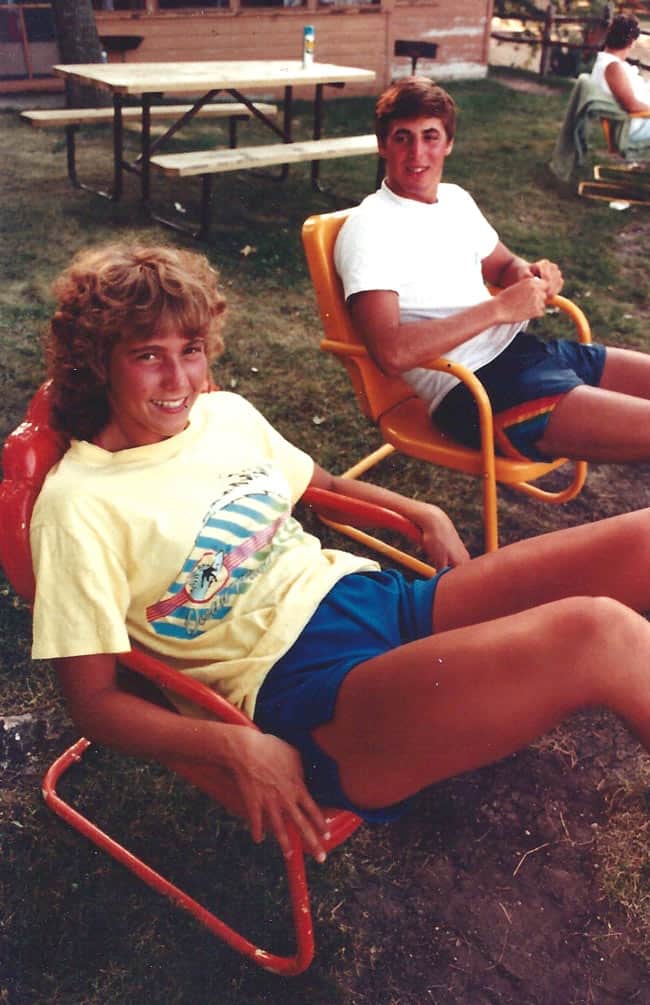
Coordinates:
[204,162]
[42,118]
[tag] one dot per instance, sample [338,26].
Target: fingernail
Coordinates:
[327,836]
[321,856]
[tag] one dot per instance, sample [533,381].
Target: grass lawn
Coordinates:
[391,922]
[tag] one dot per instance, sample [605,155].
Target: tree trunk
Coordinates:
[78,42]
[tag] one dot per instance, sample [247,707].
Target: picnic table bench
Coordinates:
[206,163]
[71,119]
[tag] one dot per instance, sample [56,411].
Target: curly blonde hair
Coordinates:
[122,292]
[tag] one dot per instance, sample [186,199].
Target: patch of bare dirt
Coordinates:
[631,247]
[503,898]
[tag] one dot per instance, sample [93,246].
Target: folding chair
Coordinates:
[400,415]
[28,454]
[629,179]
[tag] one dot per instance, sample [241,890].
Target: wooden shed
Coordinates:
[349,32]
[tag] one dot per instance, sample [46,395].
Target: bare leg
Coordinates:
[525,636]
[595,424]
[610,423]
[464,698]
[608,558]
[627,371]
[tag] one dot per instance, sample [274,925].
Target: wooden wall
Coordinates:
[351,36]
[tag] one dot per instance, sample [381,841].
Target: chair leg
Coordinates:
[490,517]
[294,864]
[376,544]
[565,495]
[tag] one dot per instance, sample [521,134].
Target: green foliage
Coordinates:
[517,8]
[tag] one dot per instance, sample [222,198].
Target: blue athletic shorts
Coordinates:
[364,615]
[524,384]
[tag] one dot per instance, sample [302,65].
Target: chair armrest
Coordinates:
[577,315]
[200,694]
[333,506]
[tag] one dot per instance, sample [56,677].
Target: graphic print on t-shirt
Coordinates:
[239,531]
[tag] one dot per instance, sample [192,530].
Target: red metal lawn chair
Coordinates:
[29,453]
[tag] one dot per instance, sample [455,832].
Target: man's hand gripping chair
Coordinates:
[29,453]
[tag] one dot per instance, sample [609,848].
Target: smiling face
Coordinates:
[152,385]
[415,152]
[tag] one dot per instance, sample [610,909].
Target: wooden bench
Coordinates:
[43,118]
[71,119]
[207,163]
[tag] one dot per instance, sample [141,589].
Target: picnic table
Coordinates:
[240,81]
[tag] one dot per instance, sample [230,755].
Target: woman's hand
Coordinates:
[441,542]
[269,774]
[267,770]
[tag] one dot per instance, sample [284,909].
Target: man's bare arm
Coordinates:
[397,346]
[503,268]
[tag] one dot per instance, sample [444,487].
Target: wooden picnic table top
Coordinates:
[171,77]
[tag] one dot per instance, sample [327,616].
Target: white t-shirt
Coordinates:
[638,84]
[186,546]
[430,254]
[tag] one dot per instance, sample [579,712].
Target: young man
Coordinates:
[415,258]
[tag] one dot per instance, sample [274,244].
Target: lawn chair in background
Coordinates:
[588,108]
[29,453]
[400,415]
[627,178]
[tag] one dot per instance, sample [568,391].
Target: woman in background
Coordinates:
[619,79]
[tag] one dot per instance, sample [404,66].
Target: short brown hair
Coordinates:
[414,98]
[118,292]
[623,30]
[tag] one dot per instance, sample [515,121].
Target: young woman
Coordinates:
[620,79]
[168,522]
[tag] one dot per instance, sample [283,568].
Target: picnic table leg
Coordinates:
[206,207]
[287,125]
[317,133]
[145,170]
[71,155]
[201,232]
[71,159]
[318,128]
[118,147]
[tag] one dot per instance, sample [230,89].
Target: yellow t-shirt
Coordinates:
[186,546]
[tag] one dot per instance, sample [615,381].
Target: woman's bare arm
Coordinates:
[440,540]
[622,89]
[267,770]
[398,345]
